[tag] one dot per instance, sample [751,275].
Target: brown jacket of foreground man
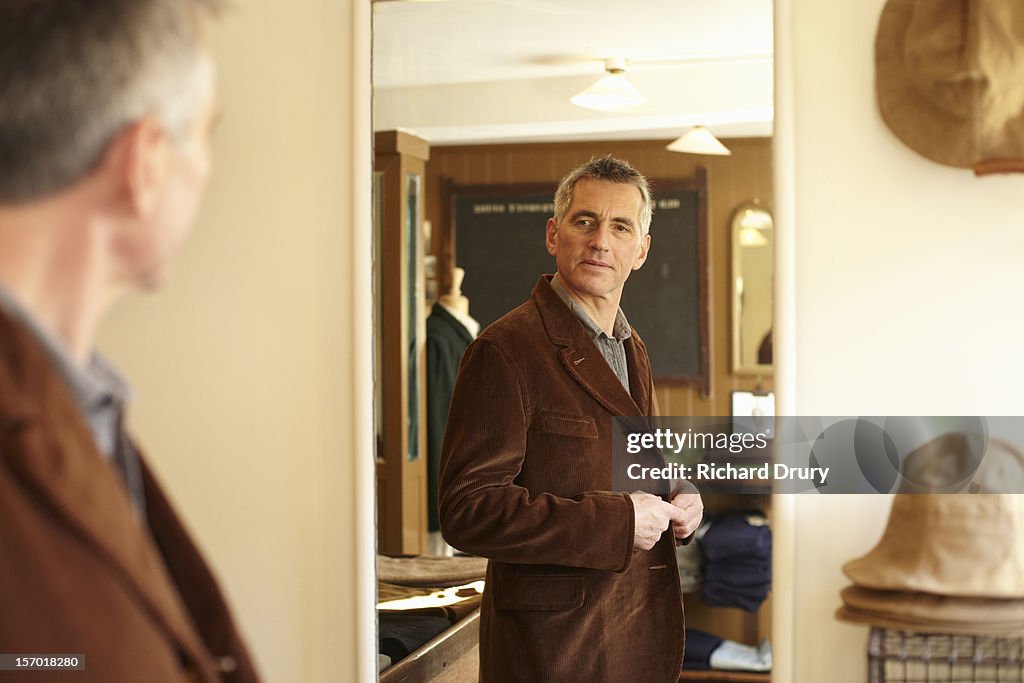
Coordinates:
[568,598]
[79,574]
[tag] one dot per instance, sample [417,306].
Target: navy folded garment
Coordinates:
[739,574]
[733,536]
[400,634]
[748,599]
[699,646]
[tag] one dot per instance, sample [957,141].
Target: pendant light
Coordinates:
[698,140]
[612,93]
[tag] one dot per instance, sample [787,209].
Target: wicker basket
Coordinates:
[899,656]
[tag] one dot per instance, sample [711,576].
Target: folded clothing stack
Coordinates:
[690,561]
[705,651]
[738,561]
[401,634]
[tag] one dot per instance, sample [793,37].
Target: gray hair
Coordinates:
[74,73]
[613,170]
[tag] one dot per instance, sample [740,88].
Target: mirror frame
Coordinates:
[735,224]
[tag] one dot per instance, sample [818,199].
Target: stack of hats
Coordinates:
[947,563]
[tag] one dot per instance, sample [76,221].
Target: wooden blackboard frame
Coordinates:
[698,183]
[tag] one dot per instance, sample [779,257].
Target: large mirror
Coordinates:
[486,95]
[753,245]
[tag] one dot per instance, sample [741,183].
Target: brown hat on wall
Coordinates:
[962,462]
[949,75]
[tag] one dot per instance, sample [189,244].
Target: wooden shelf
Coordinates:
[734,676]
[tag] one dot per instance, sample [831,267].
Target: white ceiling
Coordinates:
[476,71]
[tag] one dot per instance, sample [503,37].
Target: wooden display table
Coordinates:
[451,657]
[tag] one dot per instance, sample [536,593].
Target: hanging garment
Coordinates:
[447,339]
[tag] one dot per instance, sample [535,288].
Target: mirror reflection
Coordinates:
[413,309]
[753,241]
[493,105]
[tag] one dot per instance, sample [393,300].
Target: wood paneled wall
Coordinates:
[732,180]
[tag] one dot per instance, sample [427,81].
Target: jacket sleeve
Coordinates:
[482,509]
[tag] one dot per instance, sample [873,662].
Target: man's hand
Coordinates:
[652,516]
[691,509]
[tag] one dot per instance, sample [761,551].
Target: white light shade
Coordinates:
[611,93]
[752,237]
[754,222]
[698,140]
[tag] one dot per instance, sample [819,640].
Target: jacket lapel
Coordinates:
[583,361]
[51,448]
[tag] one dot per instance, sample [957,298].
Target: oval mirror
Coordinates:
[753,240]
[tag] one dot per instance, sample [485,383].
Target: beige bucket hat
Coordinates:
[949,76]
[967,545]
[923,612]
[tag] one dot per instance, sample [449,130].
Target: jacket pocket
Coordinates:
[540,593]
[566,424]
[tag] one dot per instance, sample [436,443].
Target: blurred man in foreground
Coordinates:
[106,109]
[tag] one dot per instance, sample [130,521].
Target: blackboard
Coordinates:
[499,240]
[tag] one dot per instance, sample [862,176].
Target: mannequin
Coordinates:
[458,305]
[450,329]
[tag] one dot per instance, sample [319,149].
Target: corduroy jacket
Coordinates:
[79,574]
[525,481]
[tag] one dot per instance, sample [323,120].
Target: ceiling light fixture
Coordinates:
[612,93]
[752,237]
[698,140]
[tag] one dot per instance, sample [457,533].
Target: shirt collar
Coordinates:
[96,384]
[621,330]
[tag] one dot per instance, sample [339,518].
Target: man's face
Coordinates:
[598,242]
[188,168]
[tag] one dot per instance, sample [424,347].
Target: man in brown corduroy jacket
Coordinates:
[105,125]
[582,582]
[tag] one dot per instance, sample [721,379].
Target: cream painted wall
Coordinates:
[899,282]
[252,367]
